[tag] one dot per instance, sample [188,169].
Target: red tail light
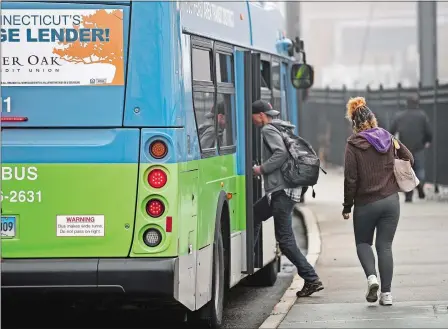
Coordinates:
[158,149]
[169,224]
[14,119]
[157,178]
[155,208]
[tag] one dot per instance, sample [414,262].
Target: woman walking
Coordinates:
[371,187]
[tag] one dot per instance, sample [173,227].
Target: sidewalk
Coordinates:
[420,285]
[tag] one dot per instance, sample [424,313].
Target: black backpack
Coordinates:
[303,165]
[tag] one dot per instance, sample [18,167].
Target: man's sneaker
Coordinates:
[372,289]
[310,288]
[386,299]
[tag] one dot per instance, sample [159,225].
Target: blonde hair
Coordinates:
[360,115]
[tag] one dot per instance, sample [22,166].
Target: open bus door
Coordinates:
[250,259]
[252,86]
[263,258]
[257,187]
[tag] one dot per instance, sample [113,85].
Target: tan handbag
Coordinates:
[405,175]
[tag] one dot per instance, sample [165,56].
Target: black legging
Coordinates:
[382,215]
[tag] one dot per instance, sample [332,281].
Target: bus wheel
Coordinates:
[267,276]
[211,314]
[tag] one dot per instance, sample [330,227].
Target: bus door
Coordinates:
[252,157]
[256,153]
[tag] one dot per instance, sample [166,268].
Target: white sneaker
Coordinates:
[372,289]
[386,299]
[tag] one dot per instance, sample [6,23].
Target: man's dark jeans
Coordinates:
[419,165]
[281,208]
[419,169]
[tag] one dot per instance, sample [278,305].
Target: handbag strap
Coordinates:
[395,147]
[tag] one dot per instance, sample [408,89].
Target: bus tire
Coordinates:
[267,276]
[211,314]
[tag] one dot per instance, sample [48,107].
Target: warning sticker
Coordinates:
[76,225]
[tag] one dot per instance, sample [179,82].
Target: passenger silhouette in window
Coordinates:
[207,129]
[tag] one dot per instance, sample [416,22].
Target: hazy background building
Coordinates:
[368,43]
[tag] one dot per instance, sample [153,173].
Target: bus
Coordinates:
[128,147]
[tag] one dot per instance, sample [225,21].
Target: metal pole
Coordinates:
[434,142]
[293,31]
[292,19]
[427,38]
[427,41]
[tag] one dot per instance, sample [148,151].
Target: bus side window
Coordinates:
[276,89]
[224,68]
[266,72]
[202,65]
[265,75]
[203,97]
[205,118]
[283,91]
[226,110]
[225,100]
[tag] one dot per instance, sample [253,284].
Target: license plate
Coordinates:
[8,227]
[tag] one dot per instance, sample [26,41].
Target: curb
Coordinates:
[289,298]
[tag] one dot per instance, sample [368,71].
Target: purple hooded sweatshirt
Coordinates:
[379,138]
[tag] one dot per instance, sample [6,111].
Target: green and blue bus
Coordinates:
[128,146]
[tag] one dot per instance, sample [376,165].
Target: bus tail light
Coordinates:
[169,224]
[152,237]
[14,119]
[155,208]
[157,178]
[158,149]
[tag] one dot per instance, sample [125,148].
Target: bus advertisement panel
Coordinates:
[62,47]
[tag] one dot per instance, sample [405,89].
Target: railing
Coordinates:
[323,122]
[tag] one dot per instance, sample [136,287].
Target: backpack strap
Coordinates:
[304,141]
[266,142]
[276,127]
[279,129]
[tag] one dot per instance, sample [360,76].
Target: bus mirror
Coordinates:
[302,76]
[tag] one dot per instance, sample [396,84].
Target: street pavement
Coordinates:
[420,283]
[247,307]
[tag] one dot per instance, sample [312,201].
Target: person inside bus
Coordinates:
[207,129]
[279,200]
[371,187]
